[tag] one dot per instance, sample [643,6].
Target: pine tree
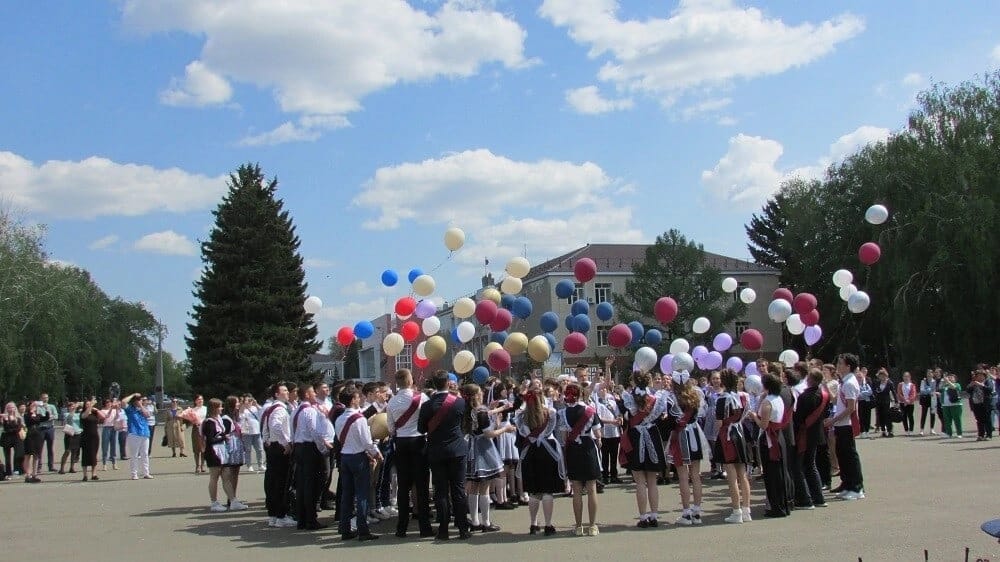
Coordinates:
[249,328]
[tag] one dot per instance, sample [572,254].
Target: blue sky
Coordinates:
[538,124]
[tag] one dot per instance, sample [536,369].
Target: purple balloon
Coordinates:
[735,363]
[425,309]
[752,369]
[667,363]
[813,334]
[713,360]
[698,352]
[722,342]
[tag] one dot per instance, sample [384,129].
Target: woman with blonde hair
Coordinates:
[687,445]
[12,440]
[483,463]
[542,468]
[71,439]
[33,440]
[641,448]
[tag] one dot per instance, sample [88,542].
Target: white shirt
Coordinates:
[608,410]
[777,413]
[849,389]
[308,428]
[359,437]
[397,406]
[278,425]
[249,424]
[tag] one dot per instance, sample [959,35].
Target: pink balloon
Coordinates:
[665,310]
[486,311]
[869,253]
[620,336]
[803,303]
[499,360]
[584,269]
[783,293]
[501,321]
[810,318]
[576,343]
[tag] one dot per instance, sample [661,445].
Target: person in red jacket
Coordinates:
[906,394]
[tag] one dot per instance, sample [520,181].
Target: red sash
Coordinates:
[728,448]
[855,421]
[414,404]
[347,426]
[773,431]
[812,419]
[588,414]
[675,436]
[625,443]
[446,405]
[267,415]
[295,419]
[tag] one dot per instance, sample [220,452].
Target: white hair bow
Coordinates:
[640,391]
[680,377]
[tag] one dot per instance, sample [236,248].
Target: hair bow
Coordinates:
[640,391]
[680,377]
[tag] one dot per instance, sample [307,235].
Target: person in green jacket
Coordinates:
[950,394]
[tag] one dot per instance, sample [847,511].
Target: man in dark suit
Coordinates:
[440,419]
[810,409]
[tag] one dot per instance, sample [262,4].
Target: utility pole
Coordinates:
[159,365]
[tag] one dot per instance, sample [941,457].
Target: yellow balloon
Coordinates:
[491,347]
[491,294]
[518,267]
[393,344]
[435,348]
[538,348]
[454,238]
[424,285]
[516,343]
[464,308]
[511,285]
[379,424]
[464,362]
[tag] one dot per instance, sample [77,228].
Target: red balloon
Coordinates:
[803,303]
[620,336]
[499,360]
[486,311]
[345,336]
[751,340]
[584,269]
[869,253]
[405,306]
[410,330]
[576,343]
[810,318]
[665,310]
[421,363]
[783,293]
[502,320]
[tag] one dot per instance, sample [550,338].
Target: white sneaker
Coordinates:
[261,468]
[217,507]
[685,519]
[271,521]
[392,510]
[250,468]
[933,432]
[735,517]
[851,496]
[921,433]
[384,513]
[285,522]
[746,515]
[237,505]
[135,477]
[354,524]
[373,520]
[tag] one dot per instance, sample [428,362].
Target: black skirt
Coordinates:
[647,465]
[582,462]
[33,442]
[540,472]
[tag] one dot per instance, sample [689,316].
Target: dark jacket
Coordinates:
[806,404]
[447,441]
[884,396]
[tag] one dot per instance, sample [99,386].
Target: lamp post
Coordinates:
[159,365]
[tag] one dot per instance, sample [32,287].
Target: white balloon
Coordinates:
[466,331]
[463,362]
[701,325]
[877,214]
[645,358]
[424,285]
[312,304]
[748,295]
[729,284]
[518,267]
[679,345]
[420,350]
[846,292]
[842,278]
[454,238]
[789,357]
[430,326]
[859,302]
[511,285]
[795,325]
[393,344]
[753,384]
[464,308]
[779,310]
[683,362]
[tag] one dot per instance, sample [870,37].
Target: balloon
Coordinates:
[454,238]
[605,311]
[842,278]
[480,375]
[414,273]
[435,348]
[877,214]
[748,295]
[712,360]
[869,253]
[464,308]
[751,340]
[679,345]
[421,362]
[795,325]
[463,362]
[734,363]
[491,294]
[539,348]
[682,362]
[410,330]
[568,322]
[846,292]
[783,293]
[565,288]
[452,377]
[420,350]
[390,278]
[804,302]
[454,335]
[810,318]
[551,338]
[312,304]
[753,384]
[516,343]
[431,326]
[518,267]
[813,334]
[619,336]
[859,302]
[645,358]
[637,330]
[549,321]
[501,321]
[393,344]
[729,285]
[466,331]
[698,352]
[522,307]
[491,347]
[405,307]
[665,310]
[779,310]
[580,306]
[486,311]
[789,357]
[498,337]
[701,325]
[364,329]
[653,337]
[499,360]
[667,363]
[581,323]
[345,336]
[507,301]
[425,309]
[575,343]
[511,285]
[751,371]
[584,269]
[424,285]
[722,342]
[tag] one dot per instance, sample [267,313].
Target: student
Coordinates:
[579,423]
[846,428]
[771,418]
[928,401]
[732,446]
[686,446]
[542,467]
[642,446]
[483,464]
[440,419]
[357,455]
[410,449]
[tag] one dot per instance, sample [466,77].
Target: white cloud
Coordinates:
[307,129]
[103,243]
[357,289]
[96,187]
[914,79]
[318,263]
[995,55]
[700,45]
[727,121]
[588,100]
[62,264]
[199,87]
[350,313]
[322,58]
[706,107]
[166,242]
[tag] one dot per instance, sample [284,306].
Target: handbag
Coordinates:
[895,414]
[163,442]
[69,430]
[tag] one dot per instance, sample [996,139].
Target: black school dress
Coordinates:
[582,457]
[542,468]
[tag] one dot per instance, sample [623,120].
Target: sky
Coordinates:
[535,126]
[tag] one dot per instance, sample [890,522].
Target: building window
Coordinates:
[739,287]
[602,335]
[703,293]
[602,292]
[405,358]
[578,294]
[741,327]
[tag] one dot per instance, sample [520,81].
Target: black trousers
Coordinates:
[794,467]
[924,410]
[847,457]
[908,424]
[449,480]
[882,418]
[276,480]
[984,423]
[609,457]
[810,472]
[49,437]
[776,480]
[152,431]
[865,415]
[823,463]
[412,470]
[307,482]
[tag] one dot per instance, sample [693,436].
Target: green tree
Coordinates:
[174,373]
[248,326]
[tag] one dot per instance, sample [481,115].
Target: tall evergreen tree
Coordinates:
[249,328]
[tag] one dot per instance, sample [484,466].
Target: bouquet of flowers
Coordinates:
[191,416]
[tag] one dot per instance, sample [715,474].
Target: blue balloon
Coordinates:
[605,311]
[549,321]
[364,329]
[568,322]
[565,288]
[581,323]
[552,340]
[507,301]
[522,307]
[498,337]
[580,306]
[454,335]
[390,277]
[637,331]
[414,273]
[452,377]
[654,337]
[480,375]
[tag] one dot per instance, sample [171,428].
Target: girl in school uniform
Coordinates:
[506,485]
[641,448]
[578,422]
[541,465]
[686,445]
[732,448]
[483,463]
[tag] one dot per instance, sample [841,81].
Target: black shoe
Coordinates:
[368,537]
[533,530]
[616,480]
[643,523]
[774,514]
[85,478]
[72,471]
[822,504]
[324,505]
[549,530]
[349,536]
[491,528]
[464,534]
[474,528]
[441,536]
[654,522]
[805,506]
[837,490]
[400,534]
[891,435]
[312,526]
[427,534]
[319,508]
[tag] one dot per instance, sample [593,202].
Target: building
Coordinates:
[331,369]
